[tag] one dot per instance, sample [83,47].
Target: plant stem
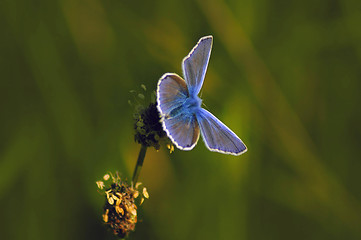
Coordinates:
[139,164]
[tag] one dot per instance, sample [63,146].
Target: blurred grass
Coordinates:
[284,75]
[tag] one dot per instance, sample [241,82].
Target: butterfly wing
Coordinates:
[217,136]
[196,63]
[183,130]
[171,93]
[180,125]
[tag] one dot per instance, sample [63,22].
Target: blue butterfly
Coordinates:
[180,109]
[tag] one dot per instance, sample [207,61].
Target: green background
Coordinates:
[284,75]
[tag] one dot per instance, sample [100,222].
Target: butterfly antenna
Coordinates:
[205,106]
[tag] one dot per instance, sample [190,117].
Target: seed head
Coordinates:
[120,209]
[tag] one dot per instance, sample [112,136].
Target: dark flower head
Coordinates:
[148,129]
[147,124]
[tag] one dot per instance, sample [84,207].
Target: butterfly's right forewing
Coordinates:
[196,63]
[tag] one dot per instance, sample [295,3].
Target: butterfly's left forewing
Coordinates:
[171,93]
[217,136]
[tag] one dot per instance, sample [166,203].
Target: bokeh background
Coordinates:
[284,75]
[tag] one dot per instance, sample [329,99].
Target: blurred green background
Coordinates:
[284,75]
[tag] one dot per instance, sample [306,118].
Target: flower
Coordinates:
[148,129]
[121,204]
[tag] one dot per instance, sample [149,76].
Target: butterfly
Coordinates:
[182,117]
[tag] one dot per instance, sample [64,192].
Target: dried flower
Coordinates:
[120,209]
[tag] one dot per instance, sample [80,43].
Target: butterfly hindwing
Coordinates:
[217,136]
[196,63]
[183,130]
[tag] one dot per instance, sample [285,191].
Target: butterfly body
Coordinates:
[182,116]
[192,104]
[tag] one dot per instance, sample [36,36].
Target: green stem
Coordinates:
[139,164]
